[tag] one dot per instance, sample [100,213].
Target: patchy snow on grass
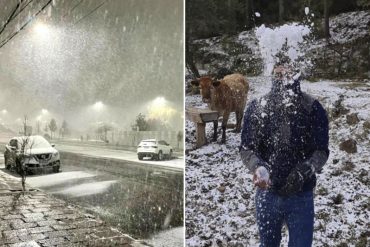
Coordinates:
[349,26]
[87,189]
[57,179]
[220,204]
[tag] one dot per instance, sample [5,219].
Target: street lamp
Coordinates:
[42,30]
[4,111]
[98,106]
[159,101]
[44,111]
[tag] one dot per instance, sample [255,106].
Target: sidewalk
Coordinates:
[35,219]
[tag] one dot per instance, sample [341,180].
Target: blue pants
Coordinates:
[296,211]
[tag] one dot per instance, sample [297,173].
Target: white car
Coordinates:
[38,155]
[155,149]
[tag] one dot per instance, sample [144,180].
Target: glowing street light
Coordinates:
[4,111]
[98,106]
[44,111]
[159,101]
[42,30]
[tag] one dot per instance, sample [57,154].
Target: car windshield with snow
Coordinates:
[32,153]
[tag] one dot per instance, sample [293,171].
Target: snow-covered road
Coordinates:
[175,163]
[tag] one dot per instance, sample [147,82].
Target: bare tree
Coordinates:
[102,131]
[64,129]
[247,12]
[180,136]
[326,19]
[189,58]
[52,127]
[24,155]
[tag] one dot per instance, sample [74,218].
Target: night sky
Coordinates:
[75,53]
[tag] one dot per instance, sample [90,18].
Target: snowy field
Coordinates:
[220,194]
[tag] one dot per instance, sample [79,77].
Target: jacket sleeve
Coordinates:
[249,140]
[320,130]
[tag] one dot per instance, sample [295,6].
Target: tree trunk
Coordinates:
[326,20]
[247,14]
[190,59]
[281,11]
[231,17]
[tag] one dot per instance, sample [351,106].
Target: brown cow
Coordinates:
[225,96]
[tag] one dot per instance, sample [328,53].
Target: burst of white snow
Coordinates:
[271,41]
[306,10]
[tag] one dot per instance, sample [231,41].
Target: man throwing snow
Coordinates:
[284,143]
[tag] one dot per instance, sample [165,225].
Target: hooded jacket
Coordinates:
[282,129]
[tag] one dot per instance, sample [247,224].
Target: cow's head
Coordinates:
[216,83]
[205,85]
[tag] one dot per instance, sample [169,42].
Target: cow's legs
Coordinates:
[225,118]
[239,118]
[215,126]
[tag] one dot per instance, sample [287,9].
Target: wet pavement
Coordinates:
[33,218]
[142,200]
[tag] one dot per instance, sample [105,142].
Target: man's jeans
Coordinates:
[296,211]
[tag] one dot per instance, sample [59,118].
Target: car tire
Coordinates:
[7,166]
[56,169]
[160,155]
[18,168]
[140,157]
[10,164]
[155,157]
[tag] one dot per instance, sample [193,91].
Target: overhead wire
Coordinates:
[10,17]
[14,34]
[25,6]
[73,8]
[24,25]
[92,11]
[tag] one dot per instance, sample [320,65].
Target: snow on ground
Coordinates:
[349,26]
[168,238]
[86,189]
[57,179]
[220,195]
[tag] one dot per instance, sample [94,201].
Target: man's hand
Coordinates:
[261,178]
[296,179]
[294,183]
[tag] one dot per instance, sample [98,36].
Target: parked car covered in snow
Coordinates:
[155,149]
[34,153]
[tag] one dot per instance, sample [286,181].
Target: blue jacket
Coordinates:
[282,129]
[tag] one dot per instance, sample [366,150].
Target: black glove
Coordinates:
[296,178]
